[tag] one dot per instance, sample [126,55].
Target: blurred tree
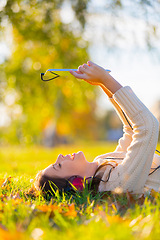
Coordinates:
[40,40]
[41,35]
[119,17]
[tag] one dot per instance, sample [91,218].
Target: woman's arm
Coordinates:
[132,173]
[96,75]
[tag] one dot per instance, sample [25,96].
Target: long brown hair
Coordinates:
[49,185]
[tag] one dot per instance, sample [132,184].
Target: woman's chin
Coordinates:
[80,155]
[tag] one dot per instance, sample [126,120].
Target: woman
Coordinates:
[131,167]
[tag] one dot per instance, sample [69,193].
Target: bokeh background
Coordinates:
[123,36]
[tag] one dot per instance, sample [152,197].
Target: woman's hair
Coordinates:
[49,185]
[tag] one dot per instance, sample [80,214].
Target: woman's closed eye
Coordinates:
[56,166]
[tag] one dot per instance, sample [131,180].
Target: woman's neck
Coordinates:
[91,169]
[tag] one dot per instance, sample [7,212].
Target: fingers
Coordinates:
[83,71]
[90,63]
[83,68]
[77,74]
[86,66]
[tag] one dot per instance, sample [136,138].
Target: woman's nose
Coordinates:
[60,157]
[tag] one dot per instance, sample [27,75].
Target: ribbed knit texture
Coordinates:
[137,146]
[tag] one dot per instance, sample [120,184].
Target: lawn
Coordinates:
[82,216]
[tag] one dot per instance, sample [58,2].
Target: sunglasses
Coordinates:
[52,74]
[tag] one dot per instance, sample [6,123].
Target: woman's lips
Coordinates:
[71,156]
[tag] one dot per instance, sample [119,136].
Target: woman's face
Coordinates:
[69,165]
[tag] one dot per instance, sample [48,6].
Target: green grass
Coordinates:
[68,217]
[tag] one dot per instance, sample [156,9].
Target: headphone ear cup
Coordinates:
[75,182]
[78,183]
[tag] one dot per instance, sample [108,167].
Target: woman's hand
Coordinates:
[96,75]
[91,73]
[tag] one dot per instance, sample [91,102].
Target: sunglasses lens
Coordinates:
[47,76]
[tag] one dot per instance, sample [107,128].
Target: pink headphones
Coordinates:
[76,182]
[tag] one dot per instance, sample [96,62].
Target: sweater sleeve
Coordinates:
[132,173]
[124,141]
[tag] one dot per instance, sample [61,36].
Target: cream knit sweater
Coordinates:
[135,149]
